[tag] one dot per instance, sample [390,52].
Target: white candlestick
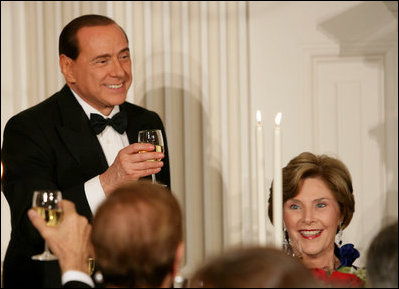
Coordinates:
[260,162]
[277,186]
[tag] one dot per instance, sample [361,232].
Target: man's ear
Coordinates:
[66,68]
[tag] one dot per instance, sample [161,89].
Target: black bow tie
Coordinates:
[118,122]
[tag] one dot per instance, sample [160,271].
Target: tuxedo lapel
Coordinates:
[132,124]
[139,119]
[77,134]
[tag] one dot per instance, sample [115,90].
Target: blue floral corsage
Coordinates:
[347,254]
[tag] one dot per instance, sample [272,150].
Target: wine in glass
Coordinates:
[45,203]
[153,136]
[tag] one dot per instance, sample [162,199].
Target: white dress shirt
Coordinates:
[73,275]
[111,142]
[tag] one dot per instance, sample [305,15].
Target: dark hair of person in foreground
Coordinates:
[255,267]
[136,235]
[382,258]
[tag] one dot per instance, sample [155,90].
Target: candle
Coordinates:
[261,178]
[277,186]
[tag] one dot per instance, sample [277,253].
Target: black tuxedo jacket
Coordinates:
[52,145]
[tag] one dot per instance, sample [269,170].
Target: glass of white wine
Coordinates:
[153,136]
[46,204]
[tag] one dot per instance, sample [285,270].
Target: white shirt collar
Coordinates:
[88,109]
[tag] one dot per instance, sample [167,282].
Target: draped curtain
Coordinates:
[190,65]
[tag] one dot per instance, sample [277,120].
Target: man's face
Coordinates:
[101,74]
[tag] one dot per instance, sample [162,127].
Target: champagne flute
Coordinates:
[45,203]
[153,136]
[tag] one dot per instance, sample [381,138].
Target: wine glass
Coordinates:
[45,203]
[153,136]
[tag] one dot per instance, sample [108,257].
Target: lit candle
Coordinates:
[277,186]
[261,178]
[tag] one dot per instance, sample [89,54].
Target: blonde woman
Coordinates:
[318,204]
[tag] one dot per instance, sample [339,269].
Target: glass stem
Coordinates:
[153,179]
[46,249]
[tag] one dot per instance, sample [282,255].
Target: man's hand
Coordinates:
[132,163]
[69,240]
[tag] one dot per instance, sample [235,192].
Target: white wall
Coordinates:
[329,68]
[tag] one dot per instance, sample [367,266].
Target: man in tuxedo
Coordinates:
[82,140]
[136,236]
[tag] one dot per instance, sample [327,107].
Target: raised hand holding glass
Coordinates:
[46,204]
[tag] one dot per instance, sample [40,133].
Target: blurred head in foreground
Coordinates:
[137,236]
[257,267]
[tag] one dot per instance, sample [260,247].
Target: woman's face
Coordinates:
[312,218]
